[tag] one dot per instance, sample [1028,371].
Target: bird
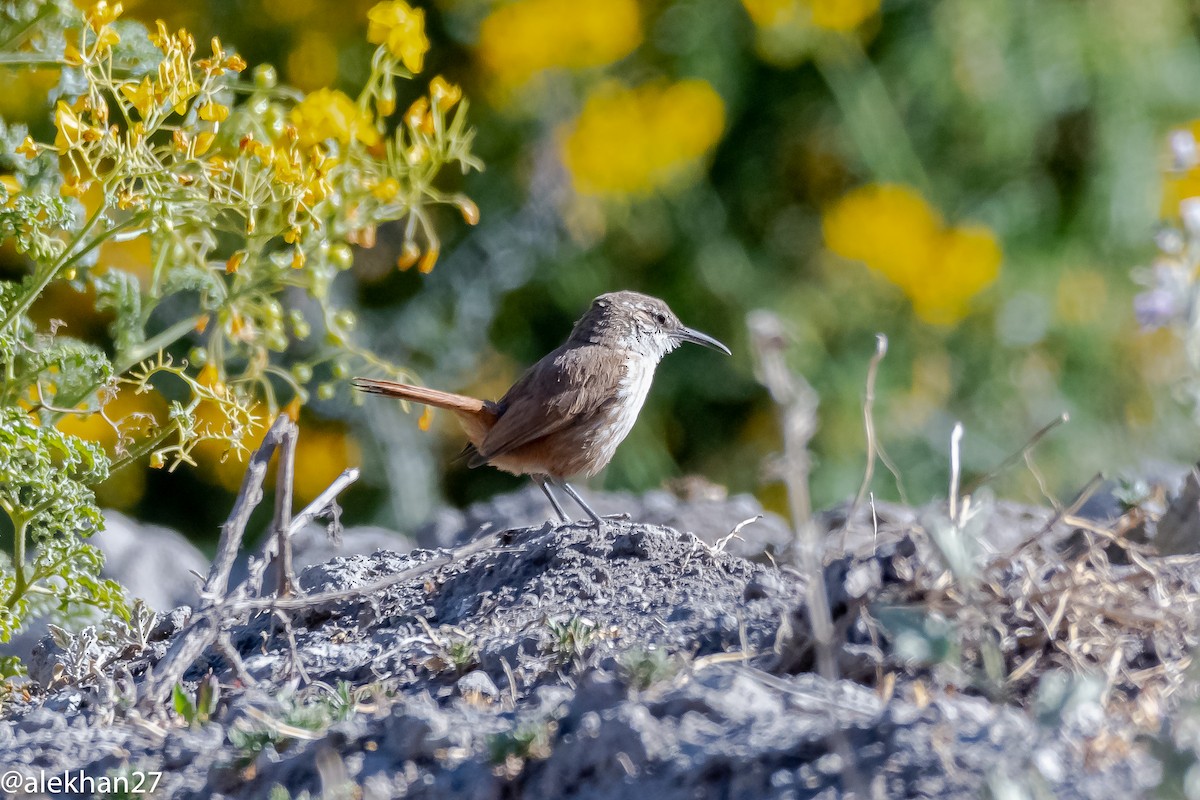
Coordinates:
[566,415]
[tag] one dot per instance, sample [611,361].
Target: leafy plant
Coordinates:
[646,667]
[200,710]
[301,715]
[248,194]
[571,640]
[527,741]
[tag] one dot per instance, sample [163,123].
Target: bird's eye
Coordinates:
[660,318]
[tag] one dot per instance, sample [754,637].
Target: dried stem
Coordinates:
[874,448]
[249,496]
[283,510]
[797,404]
[955,469]
[221,606]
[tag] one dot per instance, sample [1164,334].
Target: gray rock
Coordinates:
[152,562]
[548,710]
[710,518]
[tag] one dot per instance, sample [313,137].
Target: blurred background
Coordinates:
[974,178]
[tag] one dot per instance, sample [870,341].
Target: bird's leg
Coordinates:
[541,481]
[592,515]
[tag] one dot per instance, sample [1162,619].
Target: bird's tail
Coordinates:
[423,395]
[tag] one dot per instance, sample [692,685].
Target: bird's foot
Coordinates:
[624,516]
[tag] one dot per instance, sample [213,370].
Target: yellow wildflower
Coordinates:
[142,96]
[386,190]
[637,140]
[70,127]
[28,148]
[71,55]
[161,38]
[330,114]
[897,234]
[103,14]
[841,16]
[888,227]
[466,206]
[322,453]
[204,140]
[409,254]
[444,93]
[418,118]
[213,112]
[106,37]
[426,262]
[520,39]
[312,61]
[401,28]
[74,186]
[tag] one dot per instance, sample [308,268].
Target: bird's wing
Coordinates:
[555,392]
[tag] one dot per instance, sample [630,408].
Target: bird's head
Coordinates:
[638,322]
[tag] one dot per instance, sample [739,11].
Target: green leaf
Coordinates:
[184,706]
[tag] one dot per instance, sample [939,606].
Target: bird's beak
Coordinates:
[696,337]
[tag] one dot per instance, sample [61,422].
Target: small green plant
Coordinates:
[462,654]
[571,640]
[199,710]
[247,193]
[513,748]
[644,668]
[302,714]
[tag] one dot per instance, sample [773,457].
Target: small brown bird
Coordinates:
[566,415]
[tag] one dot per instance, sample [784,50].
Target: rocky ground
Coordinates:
[1017,654]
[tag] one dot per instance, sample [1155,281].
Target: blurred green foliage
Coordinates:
[692,149]
[244,196]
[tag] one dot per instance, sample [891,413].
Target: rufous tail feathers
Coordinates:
[476,416]
[423,395]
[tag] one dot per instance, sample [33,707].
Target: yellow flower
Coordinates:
[330,114]
[106,37]
[426,262]
[888,227]
[70,127]
[213,112]
[323,451]
[71,54]
[401,28]
[520,39]
[103,14]
[896,233]
[636,140]
[28,148]
[444,93]
[409,254]
[417,116]
[386,190]
[142,96]
[204,140]
[841,16]
[135,414]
